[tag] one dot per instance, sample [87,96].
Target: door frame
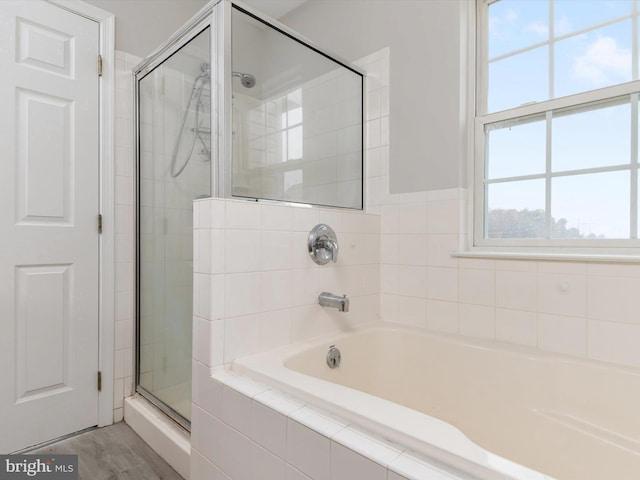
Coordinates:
[106,202]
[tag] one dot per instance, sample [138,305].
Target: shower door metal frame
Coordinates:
[198,24]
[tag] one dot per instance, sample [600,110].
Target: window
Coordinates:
[557,124]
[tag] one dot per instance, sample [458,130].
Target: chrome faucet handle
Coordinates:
[332,246]
[323,244]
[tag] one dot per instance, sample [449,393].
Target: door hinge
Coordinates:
[99,65]
[99,223]
[99,381]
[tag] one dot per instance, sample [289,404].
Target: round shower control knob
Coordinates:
[323,244]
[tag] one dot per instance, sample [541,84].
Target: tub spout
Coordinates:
[327,299]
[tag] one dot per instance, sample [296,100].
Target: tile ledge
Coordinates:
[563,257]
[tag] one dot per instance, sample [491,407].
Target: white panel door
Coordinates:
[48,223]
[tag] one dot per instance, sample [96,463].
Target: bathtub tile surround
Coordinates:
[580,309]
[279,438]
[256,287]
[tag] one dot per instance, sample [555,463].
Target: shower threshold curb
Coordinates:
[163,435]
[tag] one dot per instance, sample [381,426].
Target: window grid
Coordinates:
[573,103]
[552,41]
[549,174]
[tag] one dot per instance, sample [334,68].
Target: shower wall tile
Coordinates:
[516,290]
[331,169]
[124,230]
[614,342]
[443,316]
[241,250]
[477,286]
[439,249]
[412,311]
[241,337]
[442,284]
[412,281]
[517,326]
[377,127]
[580,309]
[304,286]
[242,294]
[477,321]
[304,322]
[562,294]
[613,298]
[266,288]
[275,329]
[563,334]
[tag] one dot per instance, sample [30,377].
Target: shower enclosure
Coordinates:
[234,105]
[174,149]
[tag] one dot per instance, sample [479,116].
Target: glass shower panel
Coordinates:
[174,169]
[297,119]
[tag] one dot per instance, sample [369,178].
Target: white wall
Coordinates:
[427,145]
[143,25]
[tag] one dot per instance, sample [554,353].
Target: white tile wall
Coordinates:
[377,127]
[250,431]
[124,233]
[575,308]
[330,171]
[264,291]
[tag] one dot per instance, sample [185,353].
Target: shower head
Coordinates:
[246,79]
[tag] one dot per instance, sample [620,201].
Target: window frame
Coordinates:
[478,94]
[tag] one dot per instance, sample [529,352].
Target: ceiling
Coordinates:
[275,8]
[142,25]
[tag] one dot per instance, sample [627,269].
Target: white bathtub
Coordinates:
[493,412]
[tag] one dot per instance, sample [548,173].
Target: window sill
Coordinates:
[560,257]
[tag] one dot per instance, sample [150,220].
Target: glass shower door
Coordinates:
[174,127]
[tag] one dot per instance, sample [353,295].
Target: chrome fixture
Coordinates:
[333,357]
[323,244]
[198,131]
[246,79]
[327,299]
